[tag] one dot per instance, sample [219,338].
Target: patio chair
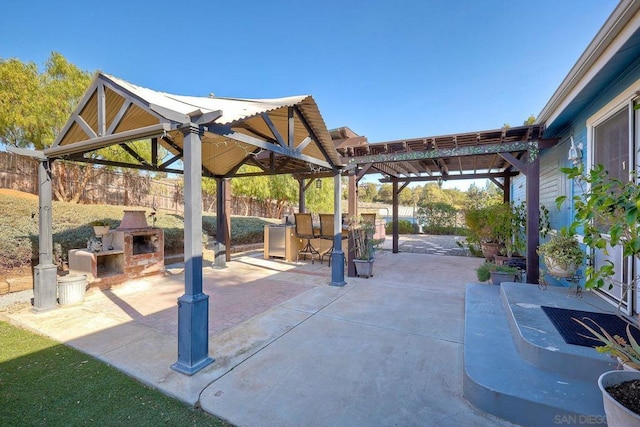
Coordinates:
[327,233]
[304,230]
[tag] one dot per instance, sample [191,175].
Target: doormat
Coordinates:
[572,331]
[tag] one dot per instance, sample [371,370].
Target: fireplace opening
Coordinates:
[145,244]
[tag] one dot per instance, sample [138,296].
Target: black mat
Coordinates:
[571,330]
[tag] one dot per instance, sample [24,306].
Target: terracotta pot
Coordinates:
[490,250]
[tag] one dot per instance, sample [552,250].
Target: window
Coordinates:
[611,145]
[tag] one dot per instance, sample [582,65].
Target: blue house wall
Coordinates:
[553,182]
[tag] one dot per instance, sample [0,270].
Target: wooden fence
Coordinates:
[114,188]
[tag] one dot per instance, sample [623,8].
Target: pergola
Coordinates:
[209,136]
[213,137]
[497,155]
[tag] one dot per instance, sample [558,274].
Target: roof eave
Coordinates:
[603,46]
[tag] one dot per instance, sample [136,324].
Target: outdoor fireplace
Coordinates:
[133,250]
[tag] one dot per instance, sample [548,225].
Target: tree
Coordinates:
[385,194]
[432,193]
[478,198]
[35,106]
[320,200]
[405,198]
[530,120]
[367,192]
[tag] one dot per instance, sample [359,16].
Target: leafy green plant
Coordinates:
[504,224]
[484,271]
[563,247]
[437,215]
[404,227]
[626,350]
[608,211]
[362,232]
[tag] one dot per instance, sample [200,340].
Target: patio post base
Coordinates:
[337,268]
[193,337]
[45,287]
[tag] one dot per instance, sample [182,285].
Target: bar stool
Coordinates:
[327,233]
[304,230]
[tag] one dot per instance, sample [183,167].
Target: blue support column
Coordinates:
[337,256]
[193,306]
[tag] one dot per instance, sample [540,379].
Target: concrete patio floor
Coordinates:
[289,349]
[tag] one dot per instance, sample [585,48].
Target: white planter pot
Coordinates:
[364,268]
[560,269]
[71,289]
[101,230]
[617,414]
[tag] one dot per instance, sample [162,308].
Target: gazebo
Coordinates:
[210,136]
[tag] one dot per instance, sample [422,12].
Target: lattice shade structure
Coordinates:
[483,154]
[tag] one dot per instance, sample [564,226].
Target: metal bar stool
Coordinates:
[304,230]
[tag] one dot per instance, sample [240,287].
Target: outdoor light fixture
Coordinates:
[318,183]
[575,152]
[440,182]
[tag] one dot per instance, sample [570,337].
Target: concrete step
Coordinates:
[537,339]
[498,381]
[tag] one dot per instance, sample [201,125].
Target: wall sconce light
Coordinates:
[318,183]
[440,182]
[575,152]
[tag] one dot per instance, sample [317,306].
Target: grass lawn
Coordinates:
[43,382]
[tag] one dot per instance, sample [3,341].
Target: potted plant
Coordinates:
[100,228]
[497,273]
[481,232]
[562,254]
[621,397]
[620,389]
[500,229]
[626,351]
[608,212]
[363,246]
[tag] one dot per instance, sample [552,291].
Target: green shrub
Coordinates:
[404,227]
[72,229]
[484,271]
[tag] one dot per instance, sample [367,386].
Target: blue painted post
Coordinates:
[193,306]
[337,256]
[45,278]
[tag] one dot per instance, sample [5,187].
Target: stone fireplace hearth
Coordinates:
[133,251]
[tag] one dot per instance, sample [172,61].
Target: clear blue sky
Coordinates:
[388,70]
